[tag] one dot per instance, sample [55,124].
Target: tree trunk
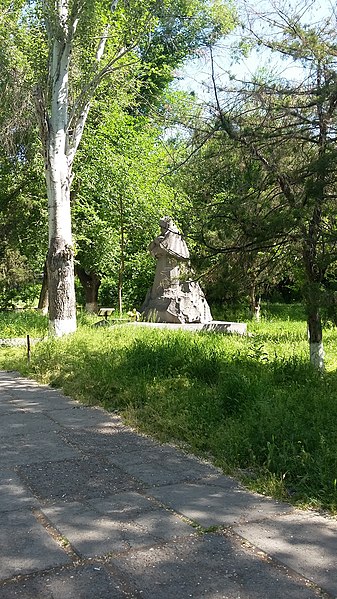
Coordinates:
[60,260]
[315,339]
[311,294]
[58,172]
[255,303]
[90,283]
[122,257]
[61,129]
[43,299]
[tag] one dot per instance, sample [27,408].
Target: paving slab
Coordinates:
[209,567]
[7,407]
[21,424]
[44,402]
[25,546]
[77,479]
[217,505]
[155,474]
[13,494]
[35,401]
[20,384]
[164,465]
[304,541]
[110,440]
[88,532]
[93,534]
[34,448]
[78,417]
[161,525]
[125,506]
[83,582]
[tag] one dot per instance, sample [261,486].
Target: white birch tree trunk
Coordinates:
[61,131]
[60,260]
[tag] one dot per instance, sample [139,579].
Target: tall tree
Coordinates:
[288,127]
[236,223]
[75,45]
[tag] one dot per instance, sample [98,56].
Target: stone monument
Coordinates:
[175,297]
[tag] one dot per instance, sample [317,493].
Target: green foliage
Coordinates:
[265,178]
[15,278]
[236,222]
[23,225]
[21,323]
[119,196]
[253,405]
[183,28]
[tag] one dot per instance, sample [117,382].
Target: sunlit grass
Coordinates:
[253,405]
[23,323]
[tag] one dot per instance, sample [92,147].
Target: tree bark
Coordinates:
[61,129]
[61,286]
[90,283]
[315,339]
[311,294]
[122,258]
[58,173]
[43,299]
[255,303]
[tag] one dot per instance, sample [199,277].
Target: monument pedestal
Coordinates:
[216,326]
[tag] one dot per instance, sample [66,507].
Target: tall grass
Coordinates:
[253,405]
[21,323]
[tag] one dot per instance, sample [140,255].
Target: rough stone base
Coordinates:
[217,326]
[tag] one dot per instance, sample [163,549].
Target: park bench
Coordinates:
[105,312]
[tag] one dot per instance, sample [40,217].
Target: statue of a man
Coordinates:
[171,252]
[169,241]
[174,296]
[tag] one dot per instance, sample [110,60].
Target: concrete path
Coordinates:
[91,510]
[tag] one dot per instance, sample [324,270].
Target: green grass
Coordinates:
[252,405]
[22,323]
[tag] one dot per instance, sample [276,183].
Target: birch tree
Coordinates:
[61,120]
[83,42]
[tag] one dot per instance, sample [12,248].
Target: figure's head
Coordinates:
[166,223]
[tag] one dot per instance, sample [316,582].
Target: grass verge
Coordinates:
[252,405]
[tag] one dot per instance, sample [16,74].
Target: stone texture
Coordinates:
[95,481]
[92,533]
[13,494]
[79,417]
[155,472]
[208,567]
[23,423]
[124,506]
[34,448]
[304,541]
[25,546]
[210,504]
[174,296]
[109,441]
[75,479]
[83,582]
